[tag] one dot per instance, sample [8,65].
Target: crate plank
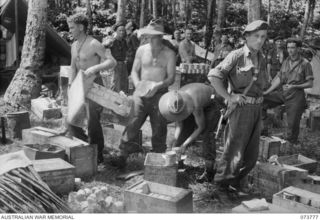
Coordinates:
[57,173]
[159,198]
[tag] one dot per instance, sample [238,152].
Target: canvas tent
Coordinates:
[55,45]
[315,63]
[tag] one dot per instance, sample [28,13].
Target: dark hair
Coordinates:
[115,27]
[298,42]
[188,28]
[79,18]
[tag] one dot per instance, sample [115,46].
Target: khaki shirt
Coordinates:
[238,69]
[300,74]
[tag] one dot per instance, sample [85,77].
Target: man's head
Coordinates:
[119,28]
[279,42]
[176,105]
[78,24]
[293,46]
[154,32]
[177,35]
[130,27]
[224,39]
[188,34]
[255,34]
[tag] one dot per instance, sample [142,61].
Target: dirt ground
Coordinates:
[205,201]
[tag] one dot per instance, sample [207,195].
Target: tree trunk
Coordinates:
[142,13]
[254,10]
[221,14]
[154,7]
[149,6]
[187,12]
[312,8]
[174,13]
[309,4]
[89,14]
[269,11]
[209,24]
[289,5]
[26,83]
[121,13]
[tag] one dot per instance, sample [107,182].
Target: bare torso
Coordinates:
[154,68]
[87,54]
[200,94]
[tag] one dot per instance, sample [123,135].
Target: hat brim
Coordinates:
[147,31]
[186,111]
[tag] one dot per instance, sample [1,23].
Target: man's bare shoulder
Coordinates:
[169,52]
[94,42]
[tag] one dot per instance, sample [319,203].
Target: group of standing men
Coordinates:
[195,107]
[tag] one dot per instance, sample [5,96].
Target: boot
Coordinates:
[119,162]
[206,176]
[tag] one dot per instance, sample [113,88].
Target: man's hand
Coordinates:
[146,88]
[287,87]
[237,99]
[265,92]
[90,71]
[152,90]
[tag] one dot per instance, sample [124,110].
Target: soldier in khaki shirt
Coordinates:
[240,68]
[295,75]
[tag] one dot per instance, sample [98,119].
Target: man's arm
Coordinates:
[136,67]
[200,121]
[105,62]
[217,75]
[308,76]
[73,72]
[275,83]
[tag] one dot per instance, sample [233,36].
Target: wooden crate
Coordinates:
[37,135]
[80,154]
[300,161]
[297,200]
[39,107]
[268,179]
[49,151]
[268,146]
[57,173]
[272,209]
[315,120]
[150,197]
[284,145]
[109,99]
[157,170]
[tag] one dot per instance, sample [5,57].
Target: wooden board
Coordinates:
[109,99]
[157,198]
[76,102]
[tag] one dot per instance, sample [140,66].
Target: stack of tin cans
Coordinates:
[194,68]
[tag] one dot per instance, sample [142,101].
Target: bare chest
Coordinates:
[154,59]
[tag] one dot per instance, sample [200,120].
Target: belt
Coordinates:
[253,100]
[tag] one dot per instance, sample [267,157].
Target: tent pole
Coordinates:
[16,30]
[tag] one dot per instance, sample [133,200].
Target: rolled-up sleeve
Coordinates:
[309,72]
[223,69]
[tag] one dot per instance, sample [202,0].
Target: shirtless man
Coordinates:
[153,71]
[196,112]
[88,55]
